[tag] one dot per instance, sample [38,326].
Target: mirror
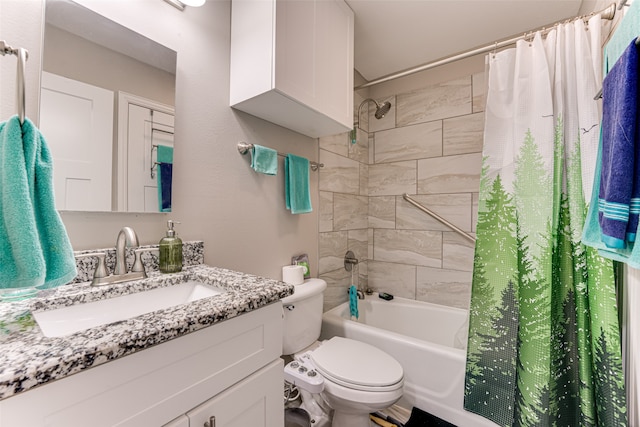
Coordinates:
[106,109]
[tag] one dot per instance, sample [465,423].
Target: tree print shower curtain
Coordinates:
[544,344]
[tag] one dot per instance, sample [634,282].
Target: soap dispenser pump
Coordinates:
[170,250]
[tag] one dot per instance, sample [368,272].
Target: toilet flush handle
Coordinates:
[211,422]
[289,307]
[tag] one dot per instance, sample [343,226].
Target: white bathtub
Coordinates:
[428,340]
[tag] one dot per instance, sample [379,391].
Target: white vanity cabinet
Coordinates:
[231,370]
[292,63]
[256,401]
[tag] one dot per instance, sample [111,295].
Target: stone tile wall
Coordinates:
[430,146]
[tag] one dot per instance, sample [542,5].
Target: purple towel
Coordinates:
[619,195]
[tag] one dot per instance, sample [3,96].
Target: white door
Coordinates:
[255,401]
[146,130]
[77,121]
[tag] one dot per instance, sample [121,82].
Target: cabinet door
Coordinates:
[334,55]
[255,401]
[181,421]
[295,66]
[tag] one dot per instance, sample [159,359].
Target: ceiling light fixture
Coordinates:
[181,4]
[176,3]
[193,3]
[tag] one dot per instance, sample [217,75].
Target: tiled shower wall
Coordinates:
[430,146]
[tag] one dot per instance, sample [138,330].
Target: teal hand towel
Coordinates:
[264,160]
[34,247]
[296,184]
[164,156]
[353,301]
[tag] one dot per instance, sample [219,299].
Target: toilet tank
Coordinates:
[302,317]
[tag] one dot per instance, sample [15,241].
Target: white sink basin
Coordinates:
[67,320]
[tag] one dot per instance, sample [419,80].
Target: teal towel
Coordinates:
[264,160]
[296,184]
[626,31]
[353,301]
[164,156]
[34,247]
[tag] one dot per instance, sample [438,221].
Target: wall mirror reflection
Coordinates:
[107,111]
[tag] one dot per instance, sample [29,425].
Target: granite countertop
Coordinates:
[29,359]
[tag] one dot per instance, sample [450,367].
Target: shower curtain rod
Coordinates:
[607,13]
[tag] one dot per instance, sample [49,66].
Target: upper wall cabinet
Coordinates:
[292,63]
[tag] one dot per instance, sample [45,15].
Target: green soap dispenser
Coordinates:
[170,251]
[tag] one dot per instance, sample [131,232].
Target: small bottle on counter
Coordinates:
[170,251]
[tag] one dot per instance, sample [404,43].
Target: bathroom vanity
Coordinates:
[214,360]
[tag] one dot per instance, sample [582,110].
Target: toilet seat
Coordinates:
[357,365]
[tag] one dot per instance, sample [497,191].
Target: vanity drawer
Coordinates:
[156,385]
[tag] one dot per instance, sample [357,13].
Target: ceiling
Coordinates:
[394,35]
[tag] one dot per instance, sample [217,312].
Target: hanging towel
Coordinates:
[626,30]
[296,184]
[264,160]
[164,157]
[619,193]
[592,234]
[353,301]
[34,247]
[164,186]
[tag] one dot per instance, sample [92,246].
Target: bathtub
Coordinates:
[429,341]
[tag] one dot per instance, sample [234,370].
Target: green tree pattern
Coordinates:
[537,295]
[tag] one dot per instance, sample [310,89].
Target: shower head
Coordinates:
[381,110]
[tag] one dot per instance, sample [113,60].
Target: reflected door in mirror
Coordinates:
[149,132]
[76,119]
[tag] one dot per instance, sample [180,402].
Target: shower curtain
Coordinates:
[544,344]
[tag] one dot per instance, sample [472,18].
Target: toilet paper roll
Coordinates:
[293,274]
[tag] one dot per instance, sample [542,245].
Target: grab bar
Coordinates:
[22,55]
[438,218]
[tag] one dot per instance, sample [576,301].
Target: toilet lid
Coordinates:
[356,363]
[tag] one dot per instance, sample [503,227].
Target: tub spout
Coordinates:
[359,293]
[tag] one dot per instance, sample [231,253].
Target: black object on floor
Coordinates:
[419,418]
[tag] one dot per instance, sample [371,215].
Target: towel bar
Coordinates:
[244,147]
[22,55]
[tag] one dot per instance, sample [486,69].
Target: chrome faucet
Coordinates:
[127,237]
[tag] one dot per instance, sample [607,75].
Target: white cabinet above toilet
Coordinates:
[292,63]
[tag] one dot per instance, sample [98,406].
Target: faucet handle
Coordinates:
[101,269]
[138,266]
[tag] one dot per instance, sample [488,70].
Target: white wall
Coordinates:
[72,56]
[240,215]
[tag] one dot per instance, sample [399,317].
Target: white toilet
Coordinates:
[355,378]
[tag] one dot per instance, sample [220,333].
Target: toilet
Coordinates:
[351,377]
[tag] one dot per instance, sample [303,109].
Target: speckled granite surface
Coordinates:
[192,254]
[29,359]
